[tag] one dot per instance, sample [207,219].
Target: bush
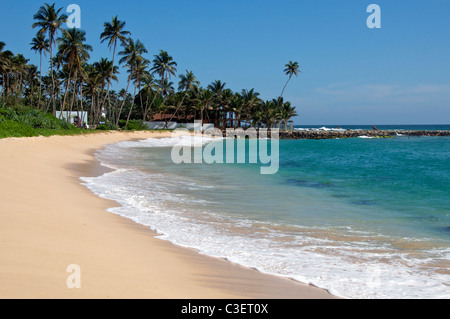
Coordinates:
[23,121]
[10,128]
[107,127]
[133,125]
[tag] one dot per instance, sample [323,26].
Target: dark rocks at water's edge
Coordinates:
[322,135]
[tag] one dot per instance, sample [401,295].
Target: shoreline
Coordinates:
[118,258]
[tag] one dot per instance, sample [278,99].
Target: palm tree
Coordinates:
[269,112]
[40,44]
[5,66]
[205,99]
[50,20]
[19,68]
[138,72]
[164,66]
[131,53]
[250,101]
[150,88]
[114,32]
[226,100]
[93,83]
[287,112]
[217,87]
[237,106]
[104,68]
[31,79]
[187,82]
[74,52]
[292,68]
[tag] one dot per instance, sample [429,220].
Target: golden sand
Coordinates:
[50,221]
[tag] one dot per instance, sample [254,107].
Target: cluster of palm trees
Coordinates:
[74,84]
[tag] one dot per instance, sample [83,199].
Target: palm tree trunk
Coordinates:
[48,105]
[147,109]
[51,70]
[73,98]
[65,95]
[132,104]
[40,81]
[286,86]
[32,91]
[178,108]
[92,112]
[3,85]
[110,77]
[124,100]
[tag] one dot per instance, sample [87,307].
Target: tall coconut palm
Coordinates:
[40,45]
[114,32]
[292,68]
[74,52]
[104,69]
[50,20]
[139,71]
[132,52]
[93,84]
[164,66]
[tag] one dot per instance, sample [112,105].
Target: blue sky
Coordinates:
[399,74]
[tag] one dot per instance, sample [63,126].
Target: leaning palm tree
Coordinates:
[50,20]
[292,68]
[114,32]
[40,44]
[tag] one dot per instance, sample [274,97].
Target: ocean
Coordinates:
[362,218]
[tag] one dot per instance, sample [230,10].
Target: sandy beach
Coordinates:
[50,221]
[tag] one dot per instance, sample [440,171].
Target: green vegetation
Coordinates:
[26,122]
[73,83]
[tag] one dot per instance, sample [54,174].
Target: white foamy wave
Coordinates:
[182,140]
[347,268]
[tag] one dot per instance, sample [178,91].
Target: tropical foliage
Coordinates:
[153,91]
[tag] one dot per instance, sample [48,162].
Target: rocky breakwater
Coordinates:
[322,135]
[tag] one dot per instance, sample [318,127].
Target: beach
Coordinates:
[50,221]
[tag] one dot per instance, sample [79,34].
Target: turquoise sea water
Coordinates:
[363,218]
